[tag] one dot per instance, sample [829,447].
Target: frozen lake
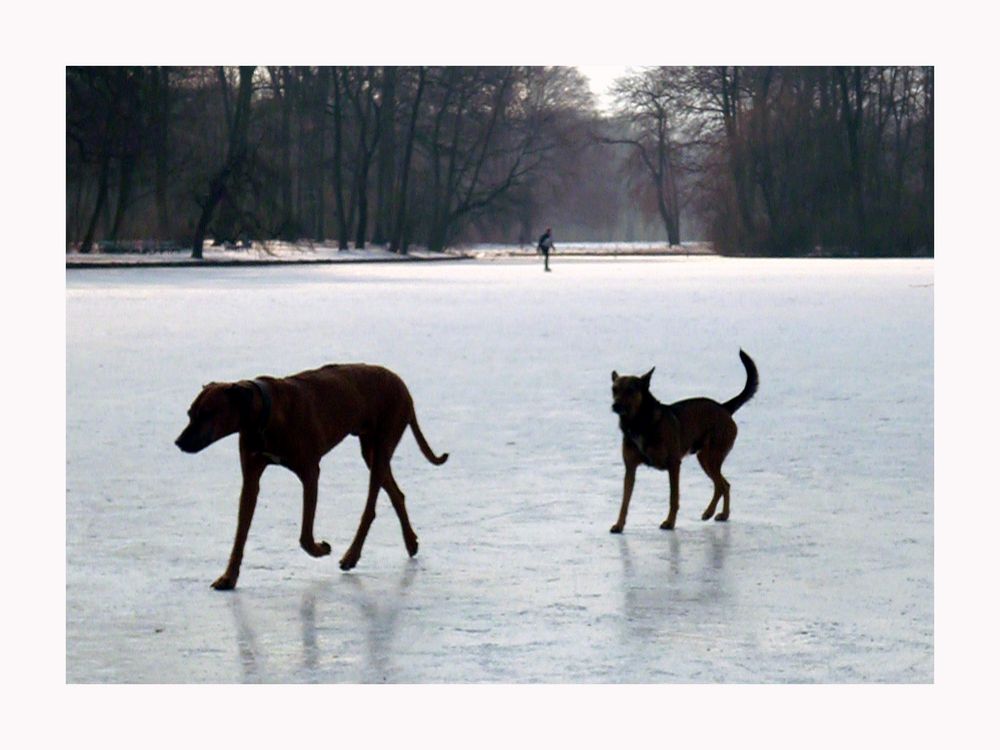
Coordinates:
[824,572]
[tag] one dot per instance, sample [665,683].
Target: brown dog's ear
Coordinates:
[614,375]
[241,394]
[646,378]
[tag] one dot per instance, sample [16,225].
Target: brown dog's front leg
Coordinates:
[248,501]
[310,491]
[674,469]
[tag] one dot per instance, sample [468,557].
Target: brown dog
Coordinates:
[294,422]
[660,435]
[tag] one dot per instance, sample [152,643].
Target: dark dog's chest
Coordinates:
[649,447]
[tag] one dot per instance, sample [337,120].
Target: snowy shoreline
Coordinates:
[283,253]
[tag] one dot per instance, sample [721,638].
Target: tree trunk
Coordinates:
[852,114]
[386,170]
[235,157]
[362,205]
[397,243]
[102,194]
[126,170]
[161,149]
[322,89]
[282,80]
[343,228]
[369,127]
[927,171]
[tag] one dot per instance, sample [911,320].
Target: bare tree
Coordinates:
[649,104]
[238,121]
[398,242]
[482,145]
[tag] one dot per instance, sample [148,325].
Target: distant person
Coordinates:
[545,244]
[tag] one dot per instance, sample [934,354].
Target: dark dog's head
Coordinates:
[218,411]
[628,392]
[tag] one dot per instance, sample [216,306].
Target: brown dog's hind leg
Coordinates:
[399,504]
[353,554]
[310,490]
[674,469]
[248,502]
[395,494]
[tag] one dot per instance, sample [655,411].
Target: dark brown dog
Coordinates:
[294,422]
[660,435]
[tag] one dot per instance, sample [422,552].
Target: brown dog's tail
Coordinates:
[749,389]
[422,442]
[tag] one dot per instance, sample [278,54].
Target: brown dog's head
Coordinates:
[628,392]
[218,411]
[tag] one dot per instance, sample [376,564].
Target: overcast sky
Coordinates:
[601,77]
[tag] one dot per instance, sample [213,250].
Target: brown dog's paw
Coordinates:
[722,517]
[224,583]
[667,526]
[412,547]
[706,515]
[617,528]
[347,563]
[315,550]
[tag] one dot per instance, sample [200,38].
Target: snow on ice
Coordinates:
[824,572]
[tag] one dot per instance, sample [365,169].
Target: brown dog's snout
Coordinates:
[187,441]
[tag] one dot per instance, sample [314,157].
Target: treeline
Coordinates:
[789,160]
[384,155]
[776,161]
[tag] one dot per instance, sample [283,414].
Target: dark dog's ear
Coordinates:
[614,375]
[646,378]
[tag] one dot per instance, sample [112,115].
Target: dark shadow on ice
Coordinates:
[360,607]
[718,536]
[628,566]
[310,647]
[658,586]
[246,639]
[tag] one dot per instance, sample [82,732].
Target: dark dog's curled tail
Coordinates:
[422,442]
[749,389]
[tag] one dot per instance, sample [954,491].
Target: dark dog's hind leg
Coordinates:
[711,462]
[674,469]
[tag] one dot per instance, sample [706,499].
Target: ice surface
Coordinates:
[823,574]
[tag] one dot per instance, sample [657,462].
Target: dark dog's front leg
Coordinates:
[674,469]
[626,498]
[310,490]
[248,501]
[632,459]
